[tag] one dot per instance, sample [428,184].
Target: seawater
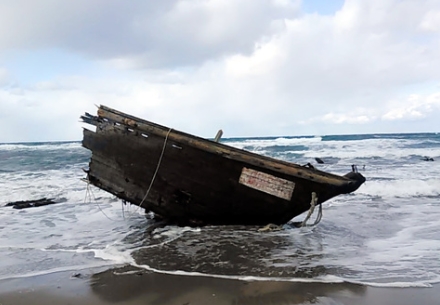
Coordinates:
[384,234]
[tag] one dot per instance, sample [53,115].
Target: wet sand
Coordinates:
[128,285]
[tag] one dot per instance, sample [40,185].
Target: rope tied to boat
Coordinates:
[88,196]
[313,203]
[157,168]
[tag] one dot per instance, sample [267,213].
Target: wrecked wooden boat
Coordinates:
[189,180]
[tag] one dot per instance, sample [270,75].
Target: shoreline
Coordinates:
[130,285]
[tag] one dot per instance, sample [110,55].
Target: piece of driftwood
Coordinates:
[319,161]
[31,203]
[189,180]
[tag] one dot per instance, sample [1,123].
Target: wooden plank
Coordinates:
[267,183]
[221,149]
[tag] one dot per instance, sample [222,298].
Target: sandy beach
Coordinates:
[127,285]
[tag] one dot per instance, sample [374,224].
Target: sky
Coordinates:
[249,67]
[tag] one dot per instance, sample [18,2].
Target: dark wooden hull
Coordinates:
[190,180]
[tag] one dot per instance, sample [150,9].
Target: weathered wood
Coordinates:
[218,135]
[319,160]
[31,203]
[197,180]
[114,119]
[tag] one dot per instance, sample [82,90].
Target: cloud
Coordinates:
[431,21]
[4,76]
[253,68]
[41,115]
[144,33]
[412,107]
[357,116]
[415,107]
[320,68]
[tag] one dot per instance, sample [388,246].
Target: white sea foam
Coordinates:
[384,148]
[174,231]
[408,284]
[114,255]
[262,143]
[329,279]
[41,147]
[322,279]
[373,155]
[401,188]
[57,184]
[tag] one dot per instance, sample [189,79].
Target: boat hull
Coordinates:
[190,180]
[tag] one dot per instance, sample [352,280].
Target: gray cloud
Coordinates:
[253,68]
[4,77]
[142,33]
[358,57]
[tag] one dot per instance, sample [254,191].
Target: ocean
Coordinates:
[386,234]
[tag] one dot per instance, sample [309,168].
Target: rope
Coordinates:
[319,217]
[89,194]
[157,168]
[313,203]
